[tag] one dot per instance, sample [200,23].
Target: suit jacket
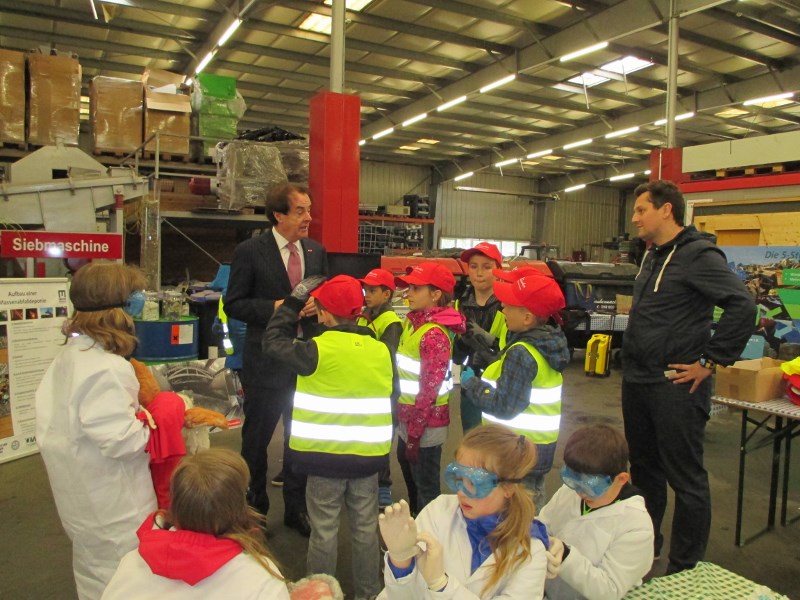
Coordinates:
[258,278]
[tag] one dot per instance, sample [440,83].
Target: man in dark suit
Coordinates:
[263,272]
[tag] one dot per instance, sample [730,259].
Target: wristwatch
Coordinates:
[707,363]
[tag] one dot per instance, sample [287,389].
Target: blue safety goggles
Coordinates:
[592,486]
[474,482]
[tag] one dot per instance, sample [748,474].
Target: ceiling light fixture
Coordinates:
[229,32]
[362,142]
[648,172]
[540,153]
[682,117]
[583,51]
[413,120]
[575,188]
[768,99]
[497,83]
[463,176]
[503,163]
[576,144]
[450,104]
[614,134]
[621,177]
[204,63]
[383,133]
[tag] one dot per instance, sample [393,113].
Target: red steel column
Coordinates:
[667,163]
[333,170]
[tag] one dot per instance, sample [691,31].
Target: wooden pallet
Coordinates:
[14,145]
[166,156]
[110,153]
[750,171]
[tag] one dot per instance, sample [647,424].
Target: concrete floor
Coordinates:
[36,558]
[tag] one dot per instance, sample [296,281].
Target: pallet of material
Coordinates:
[750,171]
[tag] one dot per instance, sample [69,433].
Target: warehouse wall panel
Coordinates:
[579,219]
[384,183]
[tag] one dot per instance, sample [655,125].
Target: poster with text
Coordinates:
[32,312]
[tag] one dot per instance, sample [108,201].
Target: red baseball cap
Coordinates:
[517,273]
[538,293]
[429,273]
[378,277]
[341,296]
[485,248]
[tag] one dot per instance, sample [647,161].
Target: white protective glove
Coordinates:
[554,557]
[431,562]
[399,531]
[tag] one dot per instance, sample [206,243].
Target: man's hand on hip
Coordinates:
[694,372]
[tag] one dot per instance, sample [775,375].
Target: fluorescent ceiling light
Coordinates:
[503,163]
[497,83]
[575,188]
[540,153]
[648,172]
[409,147]
[188,81]
[463,176]
[576,144]
[450,104]
[620,177]
[583,51]
[614,134]
[204,63]
[362,142]
[682,117]
[413,120]
[768,99]
[229,32]
[120,2]
[427,141]
[383,133]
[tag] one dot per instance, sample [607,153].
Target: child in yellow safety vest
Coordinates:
[522,389]
[341,430]
[378,315]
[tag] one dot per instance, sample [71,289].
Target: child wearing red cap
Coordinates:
[522,389]
[341,431]
[486,325]
[378,315]
[423,365]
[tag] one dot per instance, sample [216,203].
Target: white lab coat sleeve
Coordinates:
[107,413]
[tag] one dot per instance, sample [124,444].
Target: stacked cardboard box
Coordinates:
[217,109]
[166,112]
[54,99]
[12,97]
[116,107]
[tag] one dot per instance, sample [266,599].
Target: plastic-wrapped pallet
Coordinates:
[246,172]
[217,107]
[294,154]
[12,97]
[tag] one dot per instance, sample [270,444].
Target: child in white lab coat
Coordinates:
[91,440]
[598,520]
[208,545]
[481,542]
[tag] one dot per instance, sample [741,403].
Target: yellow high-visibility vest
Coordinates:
[409,365]
[380,323]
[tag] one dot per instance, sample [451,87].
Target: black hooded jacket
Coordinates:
[674,297]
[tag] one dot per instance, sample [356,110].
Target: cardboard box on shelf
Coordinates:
[116,108]
[166,112]
[756,380]
[624,304]
[12,97]
[54,99]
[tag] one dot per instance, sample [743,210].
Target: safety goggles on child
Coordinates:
[474,482]
[592,486]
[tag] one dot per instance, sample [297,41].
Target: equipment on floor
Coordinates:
[598,356]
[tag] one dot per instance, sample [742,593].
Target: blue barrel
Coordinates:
[167,340]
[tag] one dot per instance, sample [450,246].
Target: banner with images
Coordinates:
[32,312]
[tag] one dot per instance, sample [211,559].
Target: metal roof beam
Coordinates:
[764,16]
[735,17]
[175,9]
[556,184]
[660,58]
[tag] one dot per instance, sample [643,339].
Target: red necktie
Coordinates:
[294,268]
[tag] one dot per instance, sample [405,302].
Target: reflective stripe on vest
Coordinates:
[380,323]
[344,407]
[409,366]
[541,419]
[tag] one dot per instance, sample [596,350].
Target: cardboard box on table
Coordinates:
[54,104]
[166,112]
[116,107]
[12,97]
[756,380]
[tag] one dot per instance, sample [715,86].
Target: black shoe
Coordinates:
[278,480]
[299,522]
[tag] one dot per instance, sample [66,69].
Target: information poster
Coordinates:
[32,312]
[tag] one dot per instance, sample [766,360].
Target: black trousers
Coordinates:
[665,426]
[263,408]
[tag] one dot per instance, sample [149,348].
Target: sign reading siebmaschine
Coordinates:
[32,312]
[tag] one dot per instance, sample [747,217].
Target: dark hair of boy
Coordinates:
[597,450]
[661,192]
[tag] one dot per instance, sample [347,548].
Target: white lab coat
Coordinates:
[443,518]
[611,548]
[94,450]
[241,578]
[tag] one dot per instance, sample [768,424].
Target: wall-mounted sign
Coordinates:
[53,244]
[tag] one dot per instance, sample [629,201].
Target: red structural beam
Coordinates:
[741,183]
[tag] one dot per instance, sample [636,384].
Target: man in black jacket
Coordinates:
[669,355]
[263,272]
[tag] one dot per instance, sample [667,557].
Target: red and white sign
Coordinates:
[52,244]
